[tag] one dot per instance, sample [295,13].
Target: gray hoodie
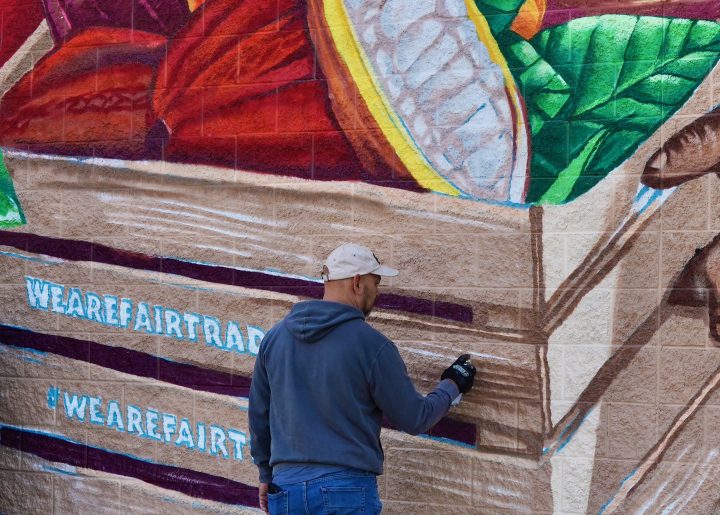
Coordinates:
[322,382]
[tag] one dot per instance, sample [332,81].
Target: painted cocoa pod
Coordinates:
[242,90]
[423,87]
[690,153]
[90,97]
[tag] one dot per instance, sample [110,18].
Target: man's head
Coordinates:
[352,274]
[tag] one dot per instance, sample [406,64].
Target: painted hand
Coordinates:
[688,154]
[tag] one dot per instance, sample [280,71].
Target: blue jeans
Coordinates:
[341,493]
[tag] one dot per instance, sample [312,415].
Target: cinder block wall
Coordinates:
[173,173]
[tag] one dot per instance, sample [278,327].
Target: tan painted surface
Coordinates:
[595,391]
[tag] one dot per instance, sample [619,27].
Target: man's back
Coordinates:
[318,361]
[331,377]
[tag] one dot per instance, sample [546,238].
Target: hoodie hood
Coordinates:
[311,320]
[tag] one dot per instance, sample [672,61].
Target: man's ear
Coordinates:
[356,283]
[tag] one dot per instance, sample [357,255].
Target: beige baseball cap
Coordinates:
[351,259]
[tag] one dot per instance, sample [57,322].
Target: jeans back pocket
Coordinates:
[343,500]
[278,503]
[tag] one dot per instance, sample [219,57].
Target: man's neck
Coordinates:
[339,299]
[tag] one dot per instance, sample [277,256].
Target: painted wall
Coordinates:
[173,174]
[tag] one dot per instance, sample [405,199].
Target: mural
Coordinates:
[173,173]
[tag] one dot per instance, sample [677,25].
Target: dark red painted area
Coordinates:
[190,376]
[241,88]
[189,482]
[74,250]
[69,17]
[562,11]
[17,21]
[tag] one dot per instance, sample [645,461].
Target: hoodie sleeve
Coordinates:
[259,417]
[398,399]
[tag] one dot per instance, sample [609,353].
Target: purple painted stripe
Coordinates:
[74,250]
[457,430]
[128,361]
[447,428]
[141,364]
[189,482]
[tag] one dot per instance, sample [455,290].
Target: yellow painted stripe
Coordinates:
[346,43]
[486,36]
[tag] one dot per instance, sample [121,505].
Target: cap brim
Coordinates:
[385,271]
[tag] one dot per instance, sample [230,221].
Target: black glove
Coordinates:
[462,372]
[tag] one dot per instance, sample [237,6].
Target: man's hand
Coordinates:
[263,497]
[462,372]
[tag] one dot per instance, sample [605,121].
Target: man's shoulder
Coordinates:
[368,333]
[272,334]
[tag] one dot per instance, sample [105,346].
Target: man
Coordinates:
[323,380]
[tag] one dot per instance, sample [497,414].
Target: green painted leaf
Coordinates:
[597,87]
[499,13]
[541,85]
[566,179]
[11,214]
